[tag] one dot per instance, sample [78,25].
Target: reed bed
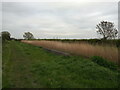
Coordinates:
[83,49]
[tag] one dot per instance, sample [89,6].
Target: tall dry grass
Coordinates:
[83,49]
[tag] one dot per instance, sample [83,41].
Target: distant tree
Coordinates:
[5,35]
[107,30]
[28,35]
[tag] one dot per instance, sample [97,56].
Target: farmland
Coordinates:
[30,66]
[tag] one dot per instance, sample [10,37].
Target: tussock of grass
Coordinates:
[105,63]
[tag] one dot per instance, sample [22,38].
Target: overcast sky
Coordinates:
[57,19]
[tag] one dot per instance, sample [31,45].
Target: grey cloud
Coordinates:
[47,20]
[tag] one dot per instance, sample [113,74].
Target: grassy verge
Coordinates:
[27,66]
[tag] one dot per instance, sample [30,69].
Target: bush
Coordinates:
[103,62]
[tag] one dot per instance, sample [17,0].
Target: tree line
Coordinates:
[106,29]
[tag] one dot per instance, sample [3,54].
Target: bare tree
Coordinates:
[107,30]
[28,35]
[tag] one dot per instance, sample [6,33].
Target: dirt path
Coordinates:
[57,52]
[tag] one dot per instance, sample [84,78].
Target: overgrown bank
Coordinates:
[30,66]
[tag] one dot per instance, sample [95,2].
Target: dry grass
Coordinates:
[83,49]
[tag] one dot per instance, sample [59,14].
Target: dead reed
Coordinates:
[83,49]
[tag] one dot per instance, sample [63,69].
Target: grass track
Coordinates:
[27,66]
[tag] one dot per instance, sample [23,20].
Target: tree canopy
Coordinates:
[5,35]
[107,30]
[28,35]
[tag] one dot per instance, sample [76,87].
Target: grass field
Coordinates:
[28,66]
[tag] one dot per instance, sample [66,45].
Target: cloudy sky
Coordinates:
[57,19]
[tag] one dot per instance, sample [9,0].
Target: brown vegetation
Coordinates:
[83,49]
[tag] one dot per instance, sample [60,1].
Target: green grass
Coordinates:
[27,66]
[105,63]
[0,63]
